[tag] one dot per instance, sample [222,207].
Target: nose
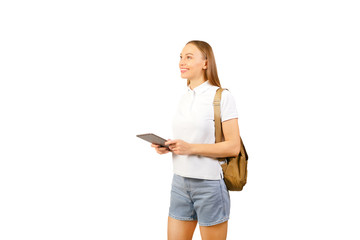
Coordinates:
[182,63]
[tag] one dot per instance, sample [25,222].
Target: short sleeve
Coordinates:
[228,106]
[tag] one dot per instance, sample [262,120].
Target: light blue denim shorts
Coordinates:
[206,201]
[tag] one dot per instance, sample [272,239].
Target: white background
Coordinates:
[79,79]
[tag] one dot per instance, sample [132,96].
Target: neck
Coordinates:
[196,82]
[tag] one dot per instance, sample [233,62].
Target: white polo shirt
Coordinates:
[193,122]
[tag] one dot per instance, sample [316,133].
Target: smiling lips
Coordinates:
[183,70]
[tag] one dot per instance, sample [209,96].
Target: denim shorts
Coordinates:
[206,201]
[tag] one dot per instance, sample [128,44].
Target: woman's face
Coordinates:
[192,62]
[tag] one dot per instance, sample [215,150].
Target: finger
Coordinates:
[163,150]
[169,142]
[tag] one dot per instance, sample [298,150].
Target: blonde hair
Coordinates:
[208,54]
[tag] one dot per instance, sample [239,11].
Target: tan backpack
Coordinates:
[235,168]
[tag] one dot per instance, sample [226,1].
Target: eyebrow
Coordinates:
[187,54]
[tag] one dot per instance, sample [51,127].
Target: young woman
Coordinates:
[198,193]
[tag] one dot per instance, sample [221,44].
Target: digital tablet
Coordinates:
[150,137]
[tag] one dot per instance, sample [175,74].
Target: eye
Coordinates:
[188,57]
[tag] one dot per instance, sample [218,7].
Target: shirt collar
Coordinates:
[201,88]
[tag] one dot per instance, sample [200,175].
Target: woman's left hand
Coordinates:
[179,147]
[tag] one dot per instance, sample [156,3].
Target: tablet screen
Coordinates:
[152,138]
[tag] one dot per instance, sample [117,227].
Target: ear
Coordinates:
[205,65]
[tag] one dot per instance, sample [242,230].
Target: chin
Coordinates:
[183,76]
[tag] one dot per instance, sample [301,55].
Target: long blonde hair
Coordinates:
[208,54]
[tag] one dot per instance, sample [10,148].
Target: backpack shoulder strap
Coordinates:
[217,115]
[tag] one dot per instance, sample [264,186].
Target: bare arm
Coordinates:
[229,148]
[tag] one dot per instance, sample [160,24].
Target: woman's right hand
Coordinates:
[159,149]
